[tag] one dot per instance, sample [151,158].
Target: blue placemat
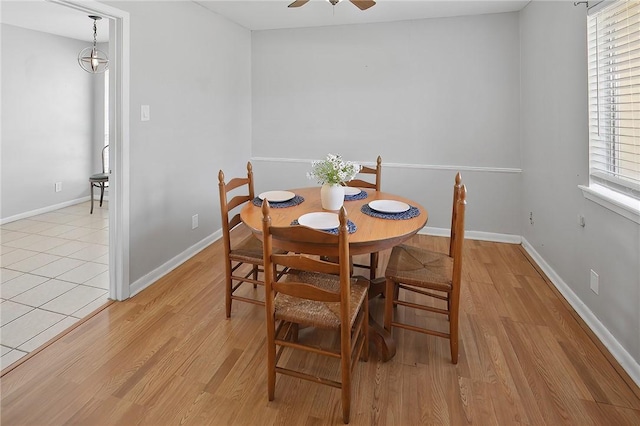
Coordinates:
[359,196]
[409,214]
[351,227]
[290,203]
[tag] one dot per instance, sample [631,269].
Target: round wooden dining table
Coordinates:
[372,235]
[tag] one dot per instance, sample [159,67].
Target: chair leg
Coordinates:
[271,358]
[373,263]
[91,190]
[227,295]
[453,328]
[346,383]
[365,330]
[101,193]
[388,304]
[255,275]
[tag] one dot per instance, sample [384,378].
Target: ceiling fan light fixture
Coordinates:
[360,4]
[91,59]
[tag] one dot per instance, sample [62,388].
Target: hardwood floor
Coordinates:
[169,356]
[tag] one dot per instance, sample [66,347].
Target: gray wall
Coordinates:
[47,118]
[193,69]
[555,161]
[422,94]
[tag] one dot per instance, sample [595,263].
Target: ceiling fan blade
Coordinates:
[298,3]
[363,4]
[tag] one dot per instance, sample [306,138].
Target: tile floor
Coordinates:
[54,269]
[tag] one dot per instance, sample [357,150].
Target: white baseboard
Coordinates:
[623,357]
[153,276]
[474,235]
[44,210]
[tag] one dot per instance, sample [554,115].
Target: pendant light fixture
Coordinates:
[91,59]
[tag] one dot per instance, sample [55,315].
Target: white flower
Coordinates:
[333,170]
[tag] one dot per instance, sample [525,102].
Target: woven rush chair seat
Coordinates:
[248,250]
[315,313]
[420,268]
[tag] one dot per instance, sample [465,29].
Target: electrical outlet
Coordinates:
[194,221]
[595,282]
[58,186]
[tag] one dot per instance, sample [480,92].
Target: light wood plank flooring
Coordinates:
[169,356]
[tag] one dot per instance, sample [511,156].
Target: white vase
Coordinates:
[332,196]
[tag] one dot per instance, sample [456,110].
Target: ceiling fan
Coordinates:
[360,4]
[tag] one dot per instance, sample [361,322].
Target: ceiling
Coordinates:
[53,18]
[274,14]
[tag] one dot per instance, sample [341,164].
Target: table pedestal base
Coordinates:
[380,338]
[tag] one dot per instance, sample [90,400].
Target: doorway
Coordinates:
[118,141]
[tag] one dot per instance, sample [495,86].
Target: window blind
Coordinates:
[614,95]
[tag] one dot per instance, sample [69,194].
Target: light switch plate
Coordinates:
[145,115]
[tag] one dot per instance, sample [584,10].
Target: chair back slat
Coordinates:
[235,221]
[306,291]
[359,183]
[300,239]
[304,263]
[237,200]
[235,183]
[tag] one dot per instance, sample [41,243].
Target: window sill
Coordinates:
[614,201]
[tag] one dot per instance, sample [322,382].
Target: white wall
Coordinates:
[555,161]
[424,93]
[193,69]
[47,118]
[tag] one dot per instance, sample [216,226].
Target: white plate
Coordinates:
[351,191]
[277,196]
[319,220]
[389,206]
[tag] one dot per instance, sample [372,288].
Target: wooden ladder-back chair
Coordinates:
[433,274]
[359,183]
[248,251]
[314,293]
